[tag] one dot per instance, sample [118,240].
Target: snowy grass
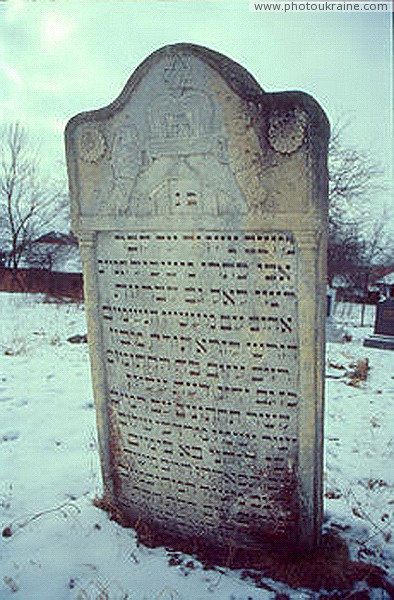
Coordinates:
[57,545]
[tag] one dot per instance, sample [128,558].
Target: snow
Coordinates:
[359,443]
[387,279]
[57,545]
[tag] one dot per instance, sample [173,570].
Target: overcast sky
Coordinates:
[60,58]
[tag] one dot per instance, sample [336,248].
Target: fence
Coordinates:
[52,283]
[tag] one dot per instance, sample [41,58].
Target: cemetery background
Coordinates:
[51,464]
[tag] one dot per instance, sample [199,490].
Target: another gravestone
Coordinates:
[200,203]
[383,336]
[331,300]
[335,333]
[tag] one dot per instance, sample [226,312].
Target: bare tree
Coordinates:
[378,249]
[359,240]
[28,206]
[354,178]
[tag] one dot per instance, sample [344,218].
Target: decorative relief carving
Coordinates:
[126,162]
[177,162]
[263,201]
[222,150]
[92,145]
[181,124]
[126,153]
[177,73]
[286,131]
[185,185]
[172,156]
[243,149]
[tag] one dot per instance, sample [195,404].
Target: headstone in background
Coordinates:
[385,285]
[331,299]
[335,333]
[383,336]
[200,203]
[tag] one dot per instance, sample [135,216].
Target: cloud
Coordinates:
[13,9]
[55,28]
[10,110]
[49,86]
[11,73]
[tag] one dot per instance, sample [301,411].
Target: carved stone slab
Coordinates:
[200,203]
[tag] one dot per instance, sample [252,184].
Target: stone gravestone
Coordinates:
[331,299]
[200,203]
[383,336]
[335,333]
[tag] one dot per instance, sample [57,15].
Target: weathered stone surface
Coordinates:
[383,336]
[200,203]
[384,323]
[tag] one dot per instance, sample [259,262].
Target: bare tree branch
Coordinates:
[29,208]
[355,177]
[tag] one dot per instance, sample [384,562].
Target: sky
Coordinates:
[61,58]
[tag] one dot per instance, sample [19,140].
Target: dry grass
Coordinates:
[328,568]
[359,372]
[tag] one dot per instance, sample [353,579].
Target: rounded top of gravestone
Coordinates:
[235,75]
[193,118]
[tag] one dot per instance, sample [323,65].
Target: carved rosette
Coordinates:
[287,131]
[92,145]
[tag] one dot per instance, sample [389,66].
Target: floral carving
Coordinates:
[286,131]
[91,144]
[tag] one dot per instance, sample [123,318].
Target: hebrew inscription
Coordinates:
[201,349]
[200,206]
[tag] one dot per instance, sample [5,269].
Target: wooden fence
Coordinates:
[40,281]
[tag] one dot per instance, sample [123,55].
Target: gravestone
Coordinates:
[383,336]
[331,299]
[200,203]
[335,333]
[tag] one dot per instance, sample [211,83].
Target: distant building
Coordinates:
[55,251]
[386,285]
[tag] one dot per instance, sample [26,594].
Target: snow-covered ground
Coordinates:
[57,546]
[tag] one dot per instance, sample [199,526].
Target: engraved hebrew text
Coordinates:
[200,342]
